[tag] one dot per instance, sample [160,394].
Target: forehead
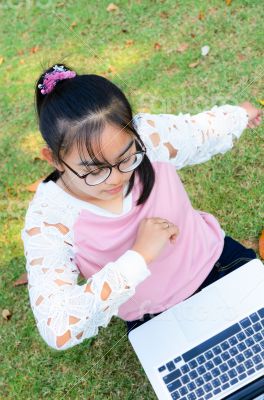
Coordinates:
[111,142]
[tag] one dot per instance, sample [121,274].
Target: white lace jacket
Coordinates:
[66,313]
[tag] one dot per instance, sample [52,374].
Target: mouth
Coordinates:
[115,190]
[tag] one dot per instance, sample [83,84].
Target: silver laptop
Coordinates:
[210,346]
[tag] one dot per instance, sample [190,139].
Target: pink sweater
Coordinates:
[180,268]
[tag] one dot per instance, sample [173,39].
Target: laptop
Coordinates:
[211,345]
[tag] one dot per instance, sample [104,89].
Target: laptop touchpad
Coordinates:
[202,313]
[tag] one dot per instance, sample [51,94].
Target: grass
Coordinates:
[230,186]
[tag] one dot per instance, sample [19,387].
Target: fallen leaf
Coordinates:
[112,7]
[261,102]
[111,69]
[22,280]
[183,47]
[124,30]
[250,244]
[1,60]
[33,186]
[201,15]
[163,14]
[6,314]
[228,2]
[157,46]
[193,35]
[22,61]
[205,50]
[73,25]
[34,49]
[194,65]
[129,42]
[261,245]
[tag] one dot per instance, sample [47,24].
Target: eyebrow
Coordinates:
[87,163]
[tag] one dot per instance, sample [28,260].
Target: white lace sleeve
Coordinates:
[186,140]
[66,313]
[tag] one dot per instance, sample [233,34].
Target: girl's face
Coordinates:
[116,144]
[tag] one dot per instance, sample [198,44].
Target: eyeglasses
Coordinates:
[99,175]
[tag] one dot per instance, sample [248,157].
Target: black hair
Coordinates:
[76,111]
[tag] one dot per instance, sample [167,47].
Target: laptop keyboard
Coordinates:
[219,363]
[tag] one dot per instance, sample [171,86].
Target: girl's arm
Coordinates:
[66,313]
[186,140]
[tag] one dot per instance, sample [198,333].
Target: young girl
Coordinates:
[116,211]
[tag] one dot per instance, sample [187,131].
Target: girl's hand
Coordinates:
[253,113]
[152,236]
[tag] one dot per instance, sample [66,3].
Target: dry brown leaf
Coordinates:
[157,46]
[22,280]
[193,35]
[34,49]
[163,14]
[33,186]
[182,48]
[261,245]
[1,60]
[228,2]
[194,64]
[73,24]
[111,69]
[6,314]
[129,42]
[22,61]
[112,7]
[201,15]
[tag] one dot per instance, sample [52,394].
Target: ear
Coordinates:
[48,156]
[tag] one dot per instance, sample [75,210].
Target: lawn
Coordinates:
[140,47]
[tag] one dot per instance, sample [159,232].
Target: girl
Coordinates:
[115,210]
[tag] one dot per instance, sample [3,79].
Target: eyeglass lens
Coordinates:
[100,174]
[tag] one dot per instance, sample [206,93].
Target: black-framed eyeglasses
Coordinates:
[100,174]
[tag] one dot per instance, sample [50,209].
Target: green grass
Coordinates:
[157,81]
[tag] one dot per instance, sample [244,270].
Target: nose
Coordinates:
[115,178]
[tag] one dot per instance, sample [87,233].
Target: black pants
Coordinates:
[234,255]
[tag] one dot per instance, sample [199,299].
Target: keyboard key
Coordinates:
[249,342]
[257,337]
[233,341]
[254,317]
[224,378]
[259,366]
[192,364]
[209,365]
[256,359]
[183,390]
[217,350]
[225,345]
[249,331]
[245,322]
[248,353]
[216,391]
[199,381]
[208,387]
[241,336]
[233,351]
[241,346]
[172,376]
[185,369]
[223,367]
[217,360]
[191,396]
[209,354]
[207,377]
[199,392]
[242,376]
[261,312]
[201,359]
[240,358]
[225,356]
[232,373]
[257,327]
[225,386]
[185,379]
[231,362]
[213,341]
[176,395]
[170,365]
[191,386]
[248,364]
[201,370]
[240,369]
[162,368]
[174,385]
[215,372]
[177,359]
[256,348]
[208,396]
[233,381]
[193,374]
[216,382]
[251,371]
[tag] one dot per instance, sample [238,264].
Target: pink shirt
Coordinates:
[179,269]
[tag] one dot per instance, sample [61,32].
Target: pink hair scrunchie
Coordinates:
[51,78]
